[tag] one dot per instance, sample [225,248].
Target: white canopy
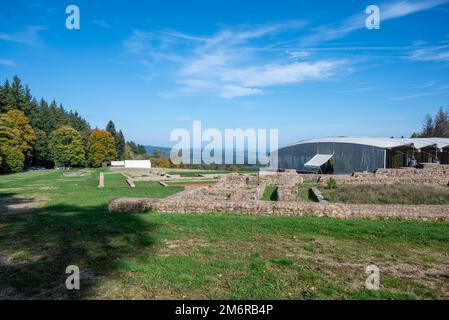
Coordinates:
[318,160]
[117,163]
[138,164]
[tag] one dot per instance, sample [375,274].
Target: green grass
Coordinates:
[304,191]
[208,256]
[270,193]
[184,182]
[196,173]
[388,194]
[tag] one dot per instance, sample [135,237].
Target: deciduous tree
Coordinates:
[66,147]
[101,148]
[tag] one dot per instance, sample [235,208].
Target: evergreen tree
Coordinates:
[110,127]
[120,145]
[441,124]
[41,153]
[4,90]
[427,130]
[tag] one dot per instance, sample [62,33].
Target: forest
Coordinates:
[40,134]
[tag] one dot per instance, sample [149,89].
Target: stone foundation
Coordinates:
[431,175]
[279,208]
[240,193]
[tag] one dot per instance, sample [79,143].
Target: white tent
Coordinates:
[118,164]
[138,164]
[318,160]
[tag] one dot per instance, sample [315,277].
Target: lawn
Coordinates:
[196,173]
[388,194]
[213,256]
[193,182]
[270,193]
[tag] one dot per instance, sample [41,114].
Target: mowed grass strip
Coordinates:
[388,194]
[221,256]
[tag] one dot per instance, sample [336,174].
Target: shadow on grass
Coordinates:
[36,248]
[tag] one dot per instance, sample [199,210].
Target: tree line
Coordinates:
[437,126]
[38,133]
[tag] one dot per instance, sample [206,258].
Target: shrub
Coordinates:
[332,184]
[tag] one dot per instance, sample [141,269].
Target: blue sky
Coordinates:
[309,69]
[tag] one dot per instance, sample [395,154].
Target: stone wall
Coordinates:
[432,175]
[287,192]
[239,193]
[276,208]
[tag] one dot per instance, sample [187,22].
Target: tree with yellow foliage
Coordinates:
[101,148]
[17,139]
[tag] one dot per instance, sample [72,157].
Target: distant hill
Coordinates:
[164,151]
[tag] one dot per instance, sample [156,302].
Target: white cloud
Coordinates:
[231,63]
[436,91]
[269,75]
[7,62]
[229,92]
[388,11]
[102,23]
[431,53]
[29,36]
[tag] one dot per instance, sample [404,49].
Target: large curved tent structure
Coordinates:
[358,154]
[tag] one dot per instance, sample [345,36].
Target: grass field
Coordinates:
[196,173]
[270,193]
[388,194]
[155,256]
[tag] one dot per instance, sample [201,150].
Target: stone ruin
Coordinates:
[241,193]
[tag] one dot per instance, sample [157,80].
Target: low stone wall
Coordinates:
[317,195]
[431,175]
[291,208]
[287,193]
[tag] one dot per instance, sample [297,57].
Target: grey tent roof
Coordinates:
[385,143]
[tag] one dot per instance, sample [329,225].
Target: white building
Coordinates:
[138,164]
[132,164]
[117,164]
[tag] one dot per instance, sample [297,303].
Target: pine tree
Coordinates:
[110,127]
[428,129]
[4,89]
[441,124]
[120,145]
[41,153]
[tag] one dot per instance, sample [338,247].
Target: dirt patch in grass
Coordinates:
[184,246]
[17,205]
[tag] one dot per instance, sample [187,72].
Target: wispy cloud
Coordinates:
[230,91]
[233,62]
[433,92]
[29,36]
[7,62]
[101,23]
[439,53]
[388,11]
